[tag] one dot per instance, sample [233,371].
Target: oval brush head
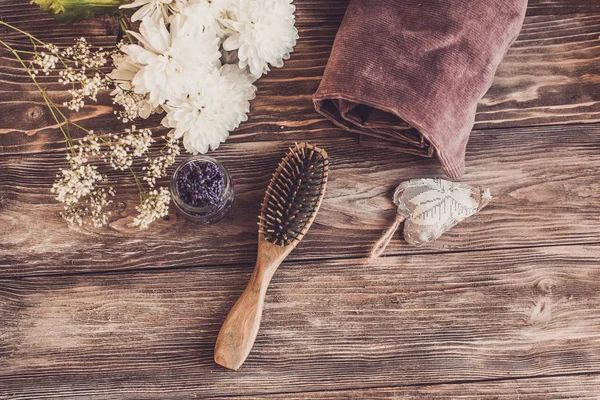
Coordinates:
[294,195]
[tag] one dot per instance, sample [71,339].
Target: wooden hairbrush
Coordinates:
[288,210]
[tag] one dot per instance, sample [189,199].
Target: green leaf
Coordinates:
[69,11]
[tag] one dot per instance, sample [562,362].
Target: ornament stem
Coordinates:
[386,238]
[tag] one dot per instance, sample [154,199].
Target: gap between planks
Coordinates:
[310,393]
[236,136]
[150,270]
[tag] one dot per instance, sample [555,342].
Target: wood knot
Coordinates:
[542,311]
[117,207]
[33,113]
[545,285]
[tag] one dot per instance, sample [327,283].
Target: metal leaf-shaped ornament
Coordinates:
[431,206]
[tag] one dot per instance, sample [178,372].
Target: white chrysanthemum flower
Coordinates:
[263,33]
[124,70]
[205,118]
[171,59]
[207,14]
[154,9]
[134,105]
[240,77]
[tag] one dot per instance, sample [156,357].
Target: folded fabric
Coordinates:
[408,74]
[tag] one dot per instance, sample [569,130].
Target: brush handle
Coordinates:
[240,328]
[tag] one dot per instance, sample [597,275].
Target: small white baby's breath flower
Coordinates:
[76,182]
[124,148]
[133,105]
[91,211]
[77,187]
[51,48]
[154,206]
[89,87]
[47,62]
[157,166]
[82,56]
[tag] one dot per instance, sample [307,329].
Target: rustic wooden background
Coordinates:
[504,306]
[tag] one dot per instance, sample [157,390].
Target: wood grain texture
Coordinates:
[549,76]
[484,313]
[308,12]
[544,182]
[560,7]
[335,325]
[555,388]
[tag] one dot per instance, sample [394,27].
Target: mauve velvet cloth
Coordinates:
[408,74]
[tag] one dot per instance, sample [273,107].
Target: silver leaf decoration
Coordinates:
[431,206]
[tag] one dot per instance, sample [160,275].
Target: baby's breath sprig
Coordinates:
[78,186]
[81,187]
[158,164]
[155,203]
[154,206]
[124,148]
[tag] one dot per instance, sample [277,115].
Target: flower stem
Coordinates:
[14,28]
[49,103]
[125,29]
[62,121]
[139,185]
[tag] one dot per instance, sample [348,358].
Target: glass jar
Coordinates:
[202,189]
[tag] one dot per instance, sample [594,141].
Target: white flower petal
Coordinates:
[264,33]
[205,118]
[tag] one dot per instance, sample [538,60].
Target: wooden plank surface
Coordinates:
[549,76]
[504,306]
[560,7]
[558,388]
[335,325]
[550,197]
[308,12]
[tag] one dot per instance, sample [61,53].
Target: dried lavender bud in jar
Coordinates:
[201,184]
[202,189]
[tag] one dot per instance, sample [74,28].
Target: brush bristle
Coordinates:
[294,195]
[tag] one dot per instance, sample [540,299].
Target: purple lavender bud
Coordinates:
[201,184]
[202,189]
